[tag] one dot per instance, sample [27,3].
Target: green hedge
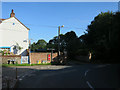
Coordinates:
[82,52]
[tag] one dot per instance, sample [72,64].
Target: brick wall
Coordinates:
[10,57]
[34,57]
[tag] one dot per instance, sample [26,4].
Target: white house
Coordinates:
[13,35]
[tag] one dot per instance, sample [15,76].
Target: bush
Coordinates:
[82,52]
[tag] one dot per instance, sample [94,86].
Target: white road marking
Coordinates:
[103,65]
[89,70]
[90,85]
[86,72]
[20,79]
[96,67]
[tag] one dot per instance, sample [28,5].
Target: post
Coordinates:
[59,41]
[51,54]
[29,52]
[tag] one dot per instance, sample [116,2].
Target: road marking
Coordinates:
[86,72]
[20,79]
[102,66]
[89,70]
[90,85]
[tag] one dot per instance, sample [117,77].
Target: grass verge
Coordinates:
[7,65]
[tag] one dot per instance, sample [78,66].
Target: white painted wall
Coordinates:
[12,34]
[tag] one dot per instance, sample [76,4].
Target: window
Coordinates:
[13,23]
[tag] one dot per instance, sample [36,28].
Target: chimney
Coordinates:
[12,13]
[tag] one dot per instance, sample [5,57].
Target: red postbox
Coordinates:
[49,57]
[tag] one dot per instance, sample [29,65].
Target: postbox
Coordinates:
[49,57]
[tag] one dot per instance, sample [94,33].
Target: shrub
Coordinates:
[82,52]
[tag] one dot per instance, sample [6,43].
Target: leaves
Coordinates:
[41,44]
[103,35]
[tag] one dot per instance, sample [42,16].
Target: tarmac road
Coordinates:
[74,76]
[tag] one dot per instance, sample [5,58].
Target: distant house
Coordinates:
[14,35]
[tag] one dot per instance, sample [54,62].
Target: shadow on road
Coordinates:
[69,76]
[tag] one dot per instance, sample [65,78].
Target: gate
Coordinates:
[24,59]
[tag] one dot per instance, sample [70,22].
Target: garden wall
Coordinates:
[42,56]
[5,59]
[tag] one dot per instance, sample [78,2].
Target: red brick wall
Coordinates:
[34,57]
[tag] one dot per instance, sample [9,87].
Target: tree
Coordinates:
[32,47]
[68,41]
[53,43]
[41,44]
[115,35]
[103,35]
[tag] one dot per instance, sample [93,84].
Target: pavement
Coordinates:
[72,76]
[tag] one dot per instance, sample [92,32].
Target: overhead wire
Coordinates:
[50,26]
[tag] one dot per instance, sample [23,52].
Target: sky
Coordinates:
[43,18]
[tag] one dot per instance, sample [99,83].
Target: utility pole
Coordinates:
[59,40]
[29,53]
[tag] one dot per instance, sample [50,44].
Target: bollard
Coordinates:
[16,73]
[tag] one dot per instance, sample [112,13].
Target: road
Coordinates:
[74,76]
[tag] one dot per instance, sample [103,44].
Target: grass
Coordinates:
[7,65]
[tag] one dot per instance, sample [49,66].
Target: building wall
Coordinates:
[34,57]
[12,32]
[6,58]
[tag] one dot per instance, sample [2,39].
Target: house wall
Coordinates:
[12,34]
[34,57]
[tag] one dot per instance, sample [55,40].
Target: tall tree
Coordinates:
[68,41]
[53,43]
[102,35]
[41,44]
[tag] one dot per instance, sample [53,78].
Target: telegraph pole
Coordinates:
[59,39]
